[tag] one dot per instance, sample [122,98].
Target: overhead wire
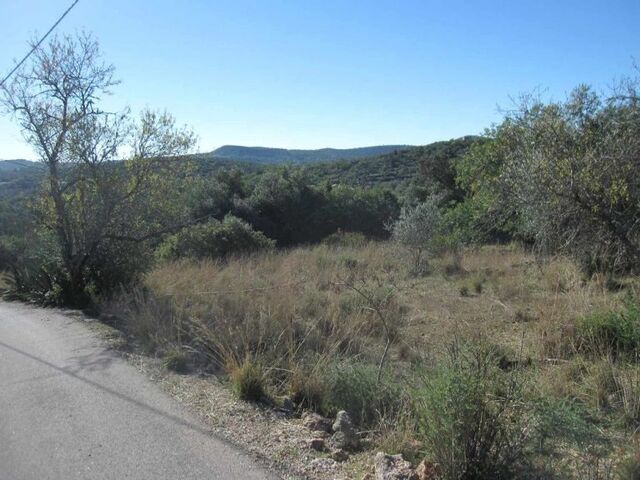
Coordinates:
[34,48]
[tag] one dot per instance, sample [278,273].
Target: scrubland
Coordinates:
[491,362]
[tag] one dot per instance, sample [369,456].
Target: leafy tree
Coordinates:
[570,170]
[92,200]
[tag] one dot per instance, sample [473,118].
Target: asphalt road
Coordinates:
[72,409]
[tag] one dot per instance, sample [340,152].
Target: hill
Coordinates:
[394,168]
[397,165]
[19,177]
[265,155]
[15,165]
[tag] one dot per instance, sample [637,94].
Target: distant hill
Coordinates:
[15,165]
[265,155]
[18,177]
[394,168]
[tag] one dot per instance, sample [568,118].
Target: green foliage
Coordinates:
[361,210]
[248,379]
[286,206]
[615,333]
[34,265]
[473,417]
[354,387]
[214,239]
[427,167]
[417,229]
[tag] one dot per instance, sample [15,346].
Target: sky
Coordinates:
[334,73]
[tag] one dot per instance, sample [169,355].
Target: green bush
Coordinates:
[34,267]
[610,333]
[354,387]
[472,417]
[248,381]
[214,239]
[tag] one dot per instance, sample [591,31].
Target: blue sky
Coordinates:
[311,74]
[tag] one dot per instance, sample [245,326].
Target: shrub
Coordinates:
[471,416]
[214,239]
[248,380]
[610,333]
[34,268]
[416,229]
[354,387]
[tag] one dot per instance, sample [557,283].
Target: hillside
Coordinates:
[19,177]
[394,168]
[281,155]
[15,165]
[384,165]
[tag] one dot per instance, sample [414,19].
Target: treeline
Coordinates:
[181,214]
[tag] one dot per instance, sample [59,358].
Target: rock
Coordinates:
[427,471]
[339,455]
[317,444]
[393,467]
[316,422]
[324,465]
[368,476]
[344,436]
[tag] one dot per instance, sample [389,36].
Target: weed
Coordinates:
[248,379]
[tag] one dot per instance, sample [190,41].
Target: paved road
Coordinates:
[71,409]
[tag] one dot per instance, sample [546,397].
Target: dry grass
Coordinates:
[296,302]
[300,316]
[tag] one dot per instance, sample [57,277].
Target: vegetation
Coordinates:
[514,355]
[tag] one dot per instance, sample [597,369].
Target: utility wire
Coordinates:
[33,49]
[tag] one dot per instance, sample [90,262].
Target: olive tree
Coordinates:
[107,186]
[571,168]
[417,228]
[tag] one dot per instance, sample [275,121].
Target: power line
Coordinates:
[33,49]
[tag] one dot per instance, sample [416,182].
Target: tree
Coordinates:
[92,200]
[417,228]
[571,168]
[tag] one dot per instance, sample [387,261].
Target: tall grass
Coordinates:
[345,325]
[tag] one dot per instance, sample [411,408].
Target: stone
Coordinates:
[344,437]
[324,465]
[316,422]
[393,467]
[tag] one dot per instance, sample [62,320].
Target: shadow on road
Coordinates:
[101,363]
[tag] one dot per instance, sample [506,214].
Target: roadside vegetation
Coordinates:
[478,312]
